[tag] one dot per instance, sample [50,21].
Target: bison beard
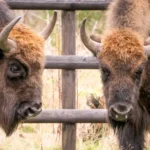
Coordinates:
[131,133]
[129,138]
[9,120]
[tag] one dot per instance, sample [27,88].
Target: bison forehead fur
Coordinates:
[29,45]
[122,44]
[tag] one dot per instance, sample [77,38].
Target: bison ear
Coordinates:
[147,50]
[147,46]
[45,33]
[7,44]
[92,45]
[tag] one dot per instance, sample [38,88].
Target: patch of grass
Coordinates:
[89,146]
[54,148]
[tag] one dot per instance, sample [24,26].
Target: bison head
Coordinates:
[122,61]
[21,64]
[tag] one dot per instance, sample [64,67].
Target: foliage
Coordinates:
[28,129]
[95,19]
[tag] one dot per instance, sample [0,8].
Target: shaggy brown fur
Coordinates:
[133,14]
[122,44]
[29,44]
[20,76]
[125,72]
[125,69]
[122,60]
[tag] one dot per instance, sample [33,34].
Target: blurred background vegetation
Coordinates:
[48,136]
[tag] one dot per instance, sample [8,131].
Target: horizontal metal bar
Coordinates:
[71,62]
[70,116]
[59,4]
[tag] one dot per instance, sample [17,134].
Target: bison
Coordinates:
[125,69]
[21,67]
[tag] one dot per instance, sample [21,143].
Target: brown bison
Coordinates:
[21,67]
[125,69]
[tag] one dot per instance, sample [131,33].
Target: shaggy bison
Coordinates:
[21,67]
[125,69]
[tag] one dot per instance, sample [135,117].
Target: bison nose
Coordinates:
[26,110]
[120,112]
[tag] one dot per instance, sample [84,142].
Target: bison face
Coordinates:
[28,95]
[122,61]
[20,91]
[122,82]
[21,78]
[21,65]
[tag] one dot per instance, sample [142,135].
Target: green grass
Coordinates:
[88,146]
[28,129]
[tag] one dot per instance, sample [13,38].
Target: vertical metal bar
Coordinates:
[68,78]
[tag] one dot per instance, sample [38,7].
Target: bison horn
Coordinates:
[7,44]
[96,38]
[93,46]
[45,33]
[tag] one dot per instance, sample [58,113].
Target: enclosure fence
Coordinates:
[68,62]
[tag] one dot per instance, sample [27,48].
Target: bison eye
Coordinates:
[1,54]
[138,73]
[105,74]
[16,70]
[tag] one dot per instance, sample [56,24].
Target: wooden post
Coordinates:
[68,78]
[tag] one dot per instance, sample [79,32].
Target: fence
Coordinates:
[68,62]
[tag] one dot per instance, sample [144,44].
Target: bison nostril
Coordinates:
[26,110]
[120,112]
[38,105]
[33,111]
